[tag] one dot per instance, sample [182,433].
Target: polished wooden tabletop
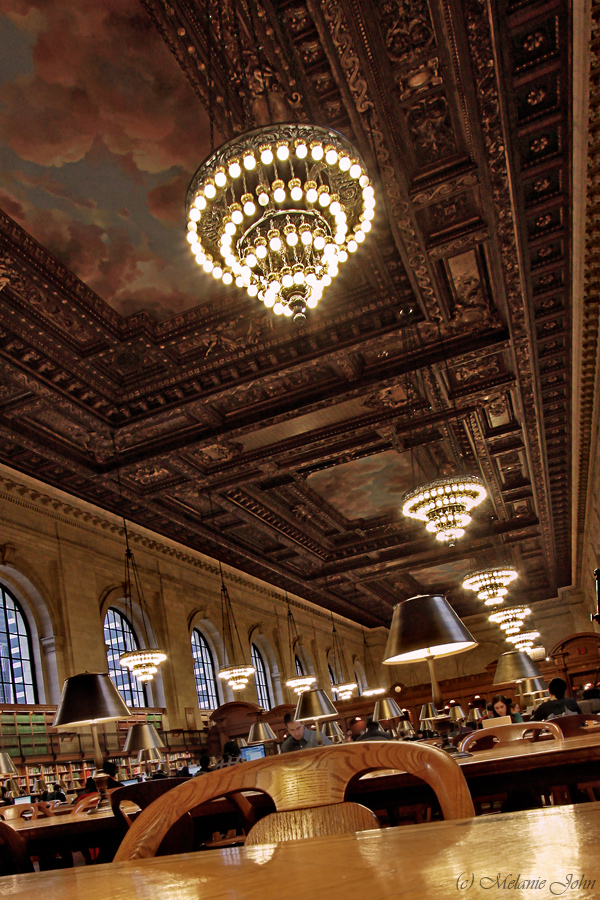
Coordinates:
[477,857]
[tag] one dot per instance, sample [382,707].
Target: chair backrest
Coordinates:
[179,838]
[301,780]
[21,811]
[506,734]
[89,801]
[18,848]
[573,725]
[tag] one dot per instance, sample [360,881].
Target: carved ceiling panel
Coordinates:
[443,346]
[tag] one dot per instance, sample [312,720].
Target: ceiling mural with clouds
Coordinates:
[100,135]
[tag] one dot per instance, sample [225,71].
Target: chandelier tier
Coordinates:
[510,620]
[278,210]
[523,641]
[445,505]
[491,584]
[143,662]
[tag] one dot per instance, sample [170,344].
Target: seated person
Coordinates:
[57,794]
[300,736]
[204,765]
[591,701]
[111,770]
[374,732]
[558,704]
[502,706]
[88,788]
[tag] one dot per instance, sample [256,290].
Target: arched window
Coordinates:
[204,672]
[119,637]
[260,678]
[17,684]
[299,666]
[358,681]
[331,675]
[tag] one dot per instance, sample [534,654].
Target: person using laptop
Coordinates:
[558,704]
[502,706]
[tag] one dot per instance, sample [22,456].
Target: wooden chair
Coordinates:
[21,811]
[507,734]
[573,726]
[17,849]
[179,838]
[90,801]
[308,789]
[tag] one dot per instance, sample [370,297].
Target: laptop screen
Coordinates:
[256,751]
[193,769]
[130,781]
[20,800]
[497,720]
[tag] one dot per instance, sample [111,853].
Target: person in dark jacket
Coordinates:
[374,732]
[558,704]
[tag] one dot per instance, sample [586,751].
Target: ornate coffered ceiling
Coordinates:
[444,346]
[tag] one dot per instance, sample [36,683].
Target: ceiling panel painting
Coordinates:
[99,137]
[366,487]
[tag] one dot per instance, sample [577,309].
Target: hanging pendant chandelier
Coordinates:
[143,663]
[344,687]
[235,672]
[510,620]
[523,641]
[298,683]
[445,505]
[370,671]
[278,210]
[491,584]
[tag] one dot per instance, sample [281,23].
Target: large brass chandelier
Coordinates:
[444,505]
[492,583]
[344,686]
[236,671]
[278,210]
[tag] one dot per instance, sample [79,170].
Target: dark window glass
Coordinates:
[331,676]
[119,638]
[358,683]
[260,678]
[17,678]
[299,666]
[204,672]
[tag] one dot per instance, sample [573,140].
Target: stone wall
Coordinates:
[64,560]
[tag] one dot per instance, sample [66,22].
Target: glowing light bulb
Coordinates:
[344,163]
[227,277]
[306,237]
[311,195]
[278,308]
[279,195]
[263,198]
[249,162]
[192,237]
[266,156]
[316,151]
[301,150]
[207,266]
[298,277]
[269,300]
[352,246]
[220,179]
[194,214]
[355,170]
[292,238]
[251,260]
[235,170]
[237,217]
[249,208]
[229,229]
[287,280]
[296,194]
[324,199]
[335,208]
[359,236]
[200,202]
[331,157]
[261,251]
[283,151]
[275,244]
[312,301]
[319,242]
[210,190]
[217,272]
[287,311]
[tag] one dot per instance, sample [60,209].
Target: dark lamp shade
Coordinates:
[89,699]
[457,713]
[534,686]
[425,626]
[333,731]
[261,733]
[7,766]
[314,704]
[386,708]
[149,754]
[142,736]
[515,666]
[428,712]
